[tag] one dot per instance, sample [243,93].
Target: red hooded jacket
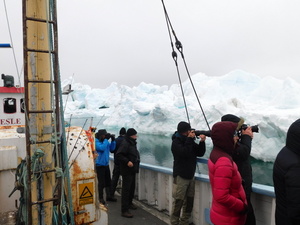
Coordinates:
[229,204]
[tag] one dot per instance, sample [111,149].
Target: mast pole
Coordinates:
[44,128]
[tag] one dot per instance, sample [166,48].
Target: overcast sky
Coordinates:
[126,41]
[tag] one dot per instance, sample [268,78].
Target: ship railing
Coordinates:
[154,189]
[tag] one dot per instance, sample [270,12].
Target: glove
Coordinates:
[107,136]
[112,137]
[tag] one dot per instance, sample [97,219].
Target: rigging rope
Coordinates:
[64,108]
[77,140]
[11,41]
[179,47]
[174,56]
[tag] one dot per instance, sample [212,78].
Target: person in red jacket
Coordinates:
[229,204]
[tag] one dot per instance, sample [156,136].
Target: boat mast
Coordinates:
[44,129]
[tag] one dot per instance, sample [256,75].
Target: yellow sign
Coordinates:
[86,193]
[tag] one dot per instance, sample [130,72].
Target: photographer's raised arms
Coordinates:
[103,148]
[241,156]
[185,152]
[232,140]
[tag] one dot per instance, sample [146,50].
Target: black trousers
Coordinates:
[128,188]
[251,220]
[115,179]
[104,180]
[250,215]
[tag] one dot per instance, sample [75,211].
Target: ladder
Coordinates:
[47,172]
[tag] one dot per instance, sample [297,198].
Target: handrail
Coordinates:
[256,188]
[5,45]
[202,160]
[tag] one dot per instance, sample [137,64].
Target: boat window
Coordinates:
[22,104]
[9,105]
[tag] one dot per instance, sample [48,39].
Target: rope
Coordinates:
[36,165]
[77,140]
[68,95]
[67,204]
[11,40]
[174,56]
[198,100]
[179,47]
[100,120]
[52,60]
[21,174]
[74,160]
[69,128]
[63,208]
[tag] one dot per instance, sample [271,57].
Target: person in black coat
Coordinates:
[241,157]
[185,152]
[286,177]
[129,158]
[116,172]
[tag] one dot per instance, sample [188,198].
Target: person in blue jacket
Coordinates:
[103,148]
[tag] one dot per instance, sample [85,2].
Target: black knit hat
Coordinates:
[122,131]
[131,132]
[101,132]
[183,127]
[233,118]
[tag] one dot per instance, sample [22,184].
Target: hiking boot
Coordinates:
[127,214]
[102,201]
[111,199]
[132,206]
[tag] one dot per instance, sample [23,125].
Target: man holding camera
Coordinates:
[241,157]
[103,148]
[129,158]
[185,152]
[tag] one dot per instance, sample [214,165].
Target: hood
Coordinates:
[293,137]
[131,140]
[174,135]
[177,135]
[222,135]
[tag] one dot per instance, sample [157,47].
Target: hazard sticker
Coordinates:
[86,191]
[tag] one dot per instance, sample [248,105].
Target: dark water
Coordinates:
[156,150]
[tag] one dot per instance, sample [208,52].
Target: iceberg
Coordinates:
[271,103]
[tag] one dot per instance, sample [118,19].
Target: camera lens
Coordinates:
[255,128]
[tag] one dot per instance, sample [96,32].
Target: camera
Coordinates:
[254,128]
[109,135]
[204,132]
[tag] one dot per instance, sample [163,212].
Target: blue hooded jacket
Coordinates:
[103,148]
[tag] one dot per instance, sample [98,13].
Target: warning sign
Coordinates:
[86,191]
